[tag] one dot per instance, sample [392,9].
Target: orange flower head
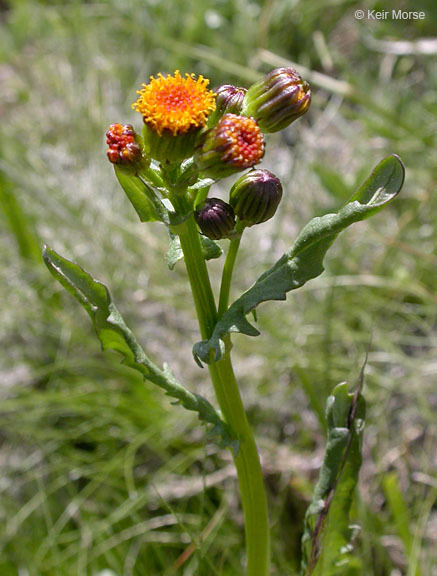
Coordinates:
[175,103]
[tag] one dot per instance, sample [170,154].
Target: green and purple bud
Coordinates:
[277,100]
[215,218]
[228,100]
[256,196]
[233,145]
[124,147]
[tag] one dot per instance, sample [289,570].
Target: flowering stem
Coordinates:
[228,269]
[248,466]
[247,462]
[198,276]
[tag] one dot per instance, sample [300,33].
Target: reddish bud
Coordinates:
[123,145]
[236,143]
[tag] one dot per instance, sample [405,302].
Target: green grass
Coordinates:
[99,471]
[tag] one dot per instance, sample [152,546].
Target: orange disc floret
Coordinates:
[234,144]
[242,141]
[175,103]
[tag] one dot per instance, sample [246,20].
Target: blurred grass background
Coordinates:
[100,475]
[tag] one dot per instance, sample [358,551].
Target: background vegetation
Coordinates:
[100,474]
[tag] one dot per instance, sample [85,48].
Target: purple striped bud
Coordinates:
[228,100]
[256,196]
[277,100]
[215,218]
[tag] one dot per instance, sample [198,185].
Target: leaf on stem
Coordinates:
[304,260]
[142,196]
[326,541]
[210,250]
[114,334]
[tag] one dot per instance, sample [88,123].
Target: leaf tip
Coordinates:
[44,252]
[401,165]
[197,359]
[47,256]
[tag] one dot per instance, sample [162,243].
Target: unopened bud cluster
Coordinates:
[253,199]
[123,146]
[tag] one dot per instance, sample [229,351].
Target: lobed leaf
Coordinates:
[304,260]
[114,334]
[326,541]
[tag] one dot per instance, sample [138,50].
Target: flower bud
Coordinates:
[236,143]
[256,196]
[228,100]
[123,145]
[277,100]
[215,218]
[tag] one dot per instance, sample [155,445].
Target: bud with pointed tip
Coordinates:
[228,100]
[215,218]
[277,100]
[256,196]
[234,144]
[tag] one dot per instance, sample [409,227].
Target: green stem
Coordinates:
[253,495]
[247,462]
[228,269]
[198,276]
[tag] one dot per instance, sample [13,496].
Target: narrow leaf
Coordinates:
[203,183]
[304,260]
[137,194]
[326,541]
[114,334]
[143,195]
[18,221]
[399,510]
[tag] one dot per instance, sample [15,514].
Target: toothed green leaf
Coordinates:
[114,334]
[326,543]
[304,260]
